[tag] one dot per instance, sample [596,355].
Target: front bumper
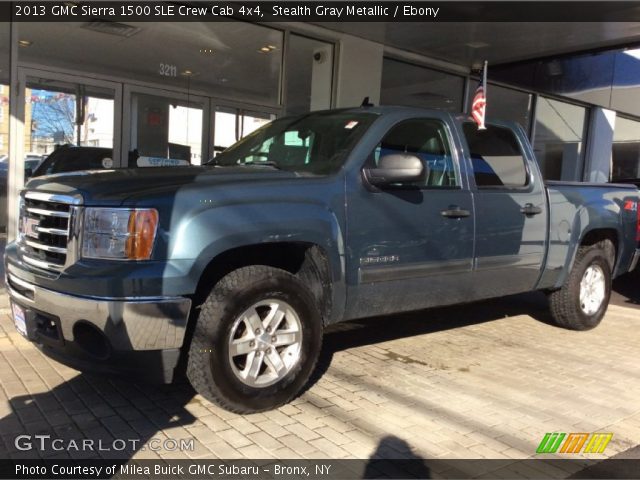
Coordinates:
[635,260]
[104,334]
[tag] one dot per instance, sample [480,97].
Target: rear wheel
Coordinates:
[583,300]
[256,340]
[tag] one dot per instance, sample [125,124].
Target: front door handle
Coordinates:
[531,209]
[455,211]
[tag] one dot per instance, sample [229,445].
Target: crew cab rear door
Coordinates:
[410,244]
[511,210]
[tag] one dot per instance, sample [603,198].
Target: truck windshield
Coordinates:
[317,143]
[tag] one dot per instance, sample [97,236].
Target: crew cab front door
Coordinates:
[410,245]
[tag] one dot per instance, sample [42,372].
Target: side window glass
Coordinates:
[496,157]
[426,139]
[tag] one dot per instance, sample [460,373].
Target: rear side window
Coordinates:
[496,157]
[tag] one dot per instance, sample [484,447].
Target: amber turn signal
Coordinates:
[142,233]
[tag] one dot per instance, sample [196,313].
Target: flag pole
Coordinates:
[484,80]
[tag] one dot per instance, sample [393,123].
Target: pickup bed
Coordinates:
[238,265]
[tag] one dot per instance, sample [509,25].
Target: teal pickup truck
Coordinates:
[237,266]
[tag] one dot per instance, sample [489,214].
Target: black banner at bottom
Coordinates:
[318,469]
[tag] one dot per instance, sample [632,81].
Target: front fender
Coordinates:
[208,232]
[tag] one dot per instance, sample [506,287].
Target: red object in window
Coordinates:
[154,119]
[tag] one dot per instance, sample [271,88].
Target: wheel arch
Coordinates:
[608,236]
[306,260]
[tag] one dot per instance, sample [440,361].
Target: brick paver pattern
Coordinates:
[486,380]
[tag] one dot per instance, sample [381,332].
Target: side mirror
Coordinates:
[395,168]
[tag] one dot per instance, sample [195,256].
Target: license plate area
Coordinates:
[19,319]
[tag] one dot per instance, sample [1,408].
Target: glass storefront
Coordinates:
[59,113]
[165,128]
[609,79]
[5,42]
[407,84]
[206,57]
[625,154]
[559,139]
[506,104]
[5,35]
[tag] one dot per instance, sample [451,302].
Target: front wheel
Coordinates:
[583,300]
[256,341]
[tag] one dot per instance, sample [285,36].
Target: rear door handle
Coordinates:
[455,211]
[531,209]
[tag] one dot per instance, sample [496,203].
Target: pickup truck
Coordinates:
[237,266]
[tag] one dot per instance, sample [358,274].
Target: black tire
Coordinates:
[565,304]
[209,368]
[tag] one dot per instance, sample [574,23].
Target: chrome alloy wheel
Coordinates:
[592,289]
[265,343]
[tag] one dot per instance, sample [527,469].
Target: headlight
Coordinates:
[119,233]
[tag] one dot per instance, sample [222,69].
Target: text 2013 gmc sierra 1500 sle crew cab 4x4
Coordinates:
[239,264]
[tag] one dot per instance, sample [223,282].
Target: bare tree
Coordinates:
[54,117]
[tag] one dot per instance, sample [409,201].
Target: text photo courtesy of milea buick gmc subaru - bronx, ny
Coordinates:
[236,267]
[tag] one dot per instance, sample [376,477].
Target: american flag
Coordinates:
[479,105]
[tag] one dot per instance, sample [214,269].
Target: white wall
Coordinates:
[359,71]
[600,137]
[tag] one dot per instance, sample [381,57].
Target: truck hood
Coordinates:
[114,187]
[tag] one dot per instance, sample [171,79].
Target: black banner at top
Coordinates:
[318,11]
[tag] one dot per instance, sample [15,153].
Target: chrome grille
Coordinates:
[45,229]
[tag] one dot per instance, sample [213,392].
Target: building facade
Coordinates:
[189,90]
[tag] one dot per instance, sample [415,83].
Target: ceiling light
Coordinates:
[207,51]
[477,44]
[111,28]
[272,47]
[25,43]
[188,73]
[265,50]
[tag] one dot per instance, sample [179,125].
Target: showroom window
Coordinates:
[625,154]
[165,128]
[228,59]
[5,36]
[412,85]
[65,113]
[506,104]
[559,139]
[308,74]
[625,94]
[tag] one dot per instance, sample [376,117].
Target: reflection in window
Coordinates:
[496,156]
[625,96]
[62,113]
[559,136]
[229,59]
[309,75]
[165,128]
[4,121]
[426,139]
[406,84]
[626,150]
